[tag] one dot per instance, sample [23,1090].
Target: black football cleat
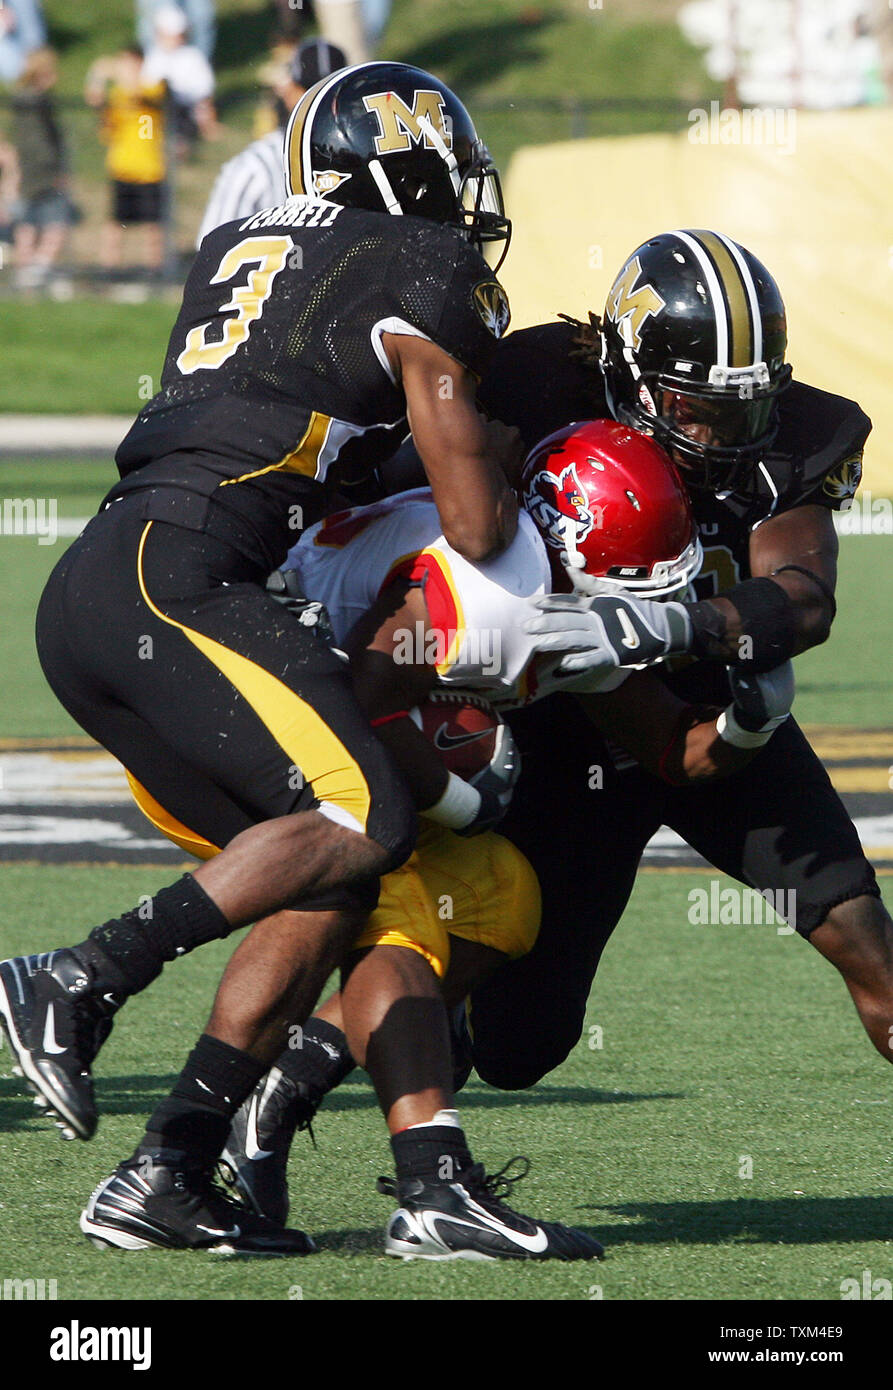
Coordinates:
[255,1157]
[157,1199]
[468,1220]
[56,1021]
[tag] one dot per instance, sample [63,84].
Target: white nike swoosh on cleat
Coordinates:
[252,1147]
[49,1033]
[235,1232]
[534,1245]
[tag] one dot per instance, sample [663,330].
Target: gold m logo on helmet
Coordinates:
[400,128]
[629,307]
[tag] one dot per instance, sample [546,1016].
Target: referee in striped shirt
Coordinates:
[255,178]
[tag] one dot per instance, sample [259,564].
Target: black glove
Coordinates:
[759,704]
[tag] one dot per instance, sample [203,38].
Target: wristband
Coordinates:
[458,806]
[768,620]
[730,731]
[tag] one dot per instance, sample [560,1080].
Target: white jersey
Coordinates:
[474,633]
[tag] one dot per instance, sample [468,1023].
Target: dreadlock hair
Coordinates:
[587,348]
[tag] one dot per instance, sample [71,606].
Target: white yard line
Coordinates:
[87,777]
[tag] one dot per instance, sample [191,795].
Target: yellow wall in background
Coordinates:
[820,217]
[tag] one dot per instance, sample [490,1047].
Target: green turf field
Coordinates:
[83,358]
[724,1052]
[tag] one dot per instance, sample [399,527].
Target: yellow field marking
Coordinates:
[860,779]
[71,755]
[833,744]
[831,741]
[871,852]
[189,865]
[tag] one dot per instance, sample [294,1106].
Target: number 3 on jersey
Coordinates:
[269,255]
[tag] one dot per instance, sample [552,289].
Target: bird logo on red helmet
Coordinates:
[553,499]
[610,506]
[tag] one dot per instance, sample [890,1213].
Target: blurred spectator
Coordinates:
[255,178]
[188,74]
[354,25]
[271,75]
[133,128]
[9,189]
[46,211]
[292,18]
[376,14]
[342,22]
[22,30]
[200,19]
[883,31]
[784,53]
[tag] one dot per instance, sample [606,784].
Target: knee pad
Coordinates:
[508,1074]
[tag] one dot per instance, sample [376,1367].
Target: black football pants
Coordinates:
[224,708]
[778,824]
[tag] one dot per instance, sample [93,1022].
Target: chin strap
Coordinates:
[446,154]
[382,183]
[574,561]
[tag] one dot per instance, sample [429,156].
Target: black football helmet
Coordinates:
[391,138]
[693,347]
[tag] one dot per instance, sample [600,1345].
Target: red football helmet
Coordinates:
[612,510]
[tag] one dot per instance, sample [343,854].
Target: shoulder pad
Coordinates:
[823,436]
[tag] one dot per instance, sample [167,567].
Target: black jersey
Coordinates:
[276,384]
[538,383]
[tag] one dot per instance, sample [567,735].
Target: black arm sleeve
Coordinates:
[767,620]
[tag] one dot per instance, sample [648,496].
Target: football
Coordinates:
[463,728]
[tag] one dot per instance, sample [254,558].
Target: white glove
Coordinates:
[760,703]
[608,630]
